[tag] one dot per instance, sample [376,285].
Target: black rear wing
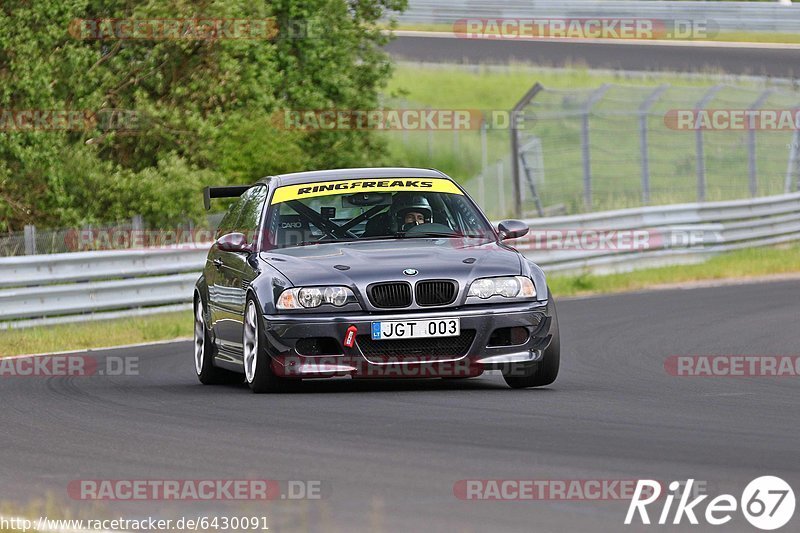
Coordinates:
[226,191]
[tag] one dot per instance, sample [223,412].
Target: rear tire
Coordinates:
[204,351]
[545,371]
[257,363]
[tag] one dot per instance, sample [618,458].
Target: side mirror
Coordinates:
[512,229]
[233,242]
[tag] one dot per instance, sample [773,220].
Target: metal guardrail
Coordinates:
[44,289]
[673,234]
[98,296]
[23,271]
[727,16]
[82,286]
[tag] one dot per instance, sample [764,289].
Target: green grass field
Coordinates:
[740,265]
[82,335]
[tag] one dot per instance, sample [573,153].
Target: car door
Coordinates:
[218,293]
[237,271]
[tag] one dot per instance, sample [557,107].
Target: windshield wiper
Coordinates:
[439,234]
[404,235]
[376,238]
[324,241]
[398,235]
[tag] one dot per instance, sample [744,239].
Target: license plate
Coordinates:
[416,329]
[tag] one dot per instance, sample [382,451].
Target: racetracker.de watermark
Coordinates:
[196,489]
[68,365]
[732,119]
[133,239]
[622,240]
[175,29]
[584,28]
[399,119]
[21,120]
[732,366]
[545,489]
[383,367]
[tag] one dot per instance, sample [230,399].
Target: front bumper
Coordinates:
[479,348]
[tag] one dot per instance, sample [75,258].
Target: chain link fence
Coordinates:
[123,235]
[617,146]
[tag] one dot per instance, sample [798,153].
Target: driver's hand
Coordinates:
[408,226]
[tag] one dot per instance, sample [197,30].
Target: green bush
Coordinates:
[203,108]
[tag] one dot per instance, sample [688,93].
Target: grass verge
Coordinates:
[500,87]
[742,264]
[82,335]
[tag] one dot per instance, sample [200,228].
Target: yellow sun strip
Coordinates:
[327,188]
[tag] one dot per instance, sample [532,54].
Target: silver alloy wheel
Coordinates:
[199,337]
[250,344]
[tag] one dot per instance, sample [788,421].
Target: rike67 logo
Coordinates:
[767,503]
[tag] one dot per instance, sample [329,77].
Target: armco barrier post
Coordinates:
[794,162]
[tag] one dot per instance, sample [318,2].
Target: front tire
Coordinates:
[207,373]
[258,370]
[545,371]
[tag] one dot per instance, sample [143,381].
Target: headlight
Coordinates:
[311,297]
[508,287]
[335,295]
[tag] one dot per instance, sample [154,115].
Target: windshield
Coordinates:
[372,210]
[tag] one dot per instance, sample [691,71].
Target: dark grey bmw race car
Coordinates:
[368,273]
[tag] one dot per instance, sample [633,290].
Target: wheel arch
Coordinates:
[266,288]
[539,278]
[201,290]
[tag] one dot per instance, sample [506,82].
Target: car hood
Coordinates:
[362,263]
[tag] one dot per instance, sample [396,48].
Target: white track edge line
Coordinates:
[101,348]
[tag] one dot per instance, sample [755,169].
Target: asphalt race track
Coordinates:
[389,453]
[756,60]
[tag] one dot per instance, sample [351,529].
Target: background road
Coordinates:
[388,453]
[757,61]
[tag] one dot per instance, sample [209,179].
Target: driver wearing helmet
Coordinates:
[410,210]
